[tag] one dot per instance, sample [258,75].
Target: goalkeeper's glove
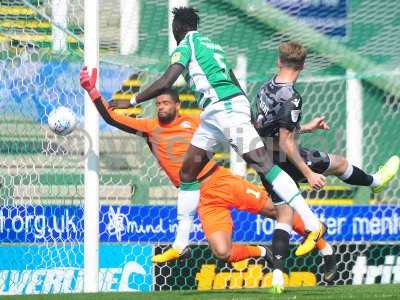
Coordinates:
[88,82]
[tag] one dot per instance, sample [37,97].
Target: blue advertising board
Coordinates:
[326,16]
[42,269]
[38,224]
[39,87]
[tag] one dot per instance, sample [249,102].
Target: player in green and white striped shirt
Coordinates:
[225,118]
[206,69]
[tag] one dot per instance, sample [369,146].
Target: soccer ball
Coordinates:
[62,120]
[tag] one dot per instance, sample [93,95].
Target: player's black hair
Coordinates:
[172,93]
[185,19]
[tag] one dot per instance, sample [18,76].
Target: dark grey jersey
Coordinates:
[278,106]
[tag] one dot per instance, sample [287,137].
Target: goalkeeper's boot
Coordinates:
[386,173]
[171,254]
[311,238]
[330,268]
[278,283]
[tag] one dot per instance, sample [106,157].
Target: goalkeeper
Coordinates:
[168,137]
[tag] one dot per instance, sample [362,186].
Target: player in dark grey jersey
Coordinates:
[279,112]
[279,106]
[278,118]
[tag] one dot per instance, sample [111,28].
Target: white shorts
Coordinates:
[227,122]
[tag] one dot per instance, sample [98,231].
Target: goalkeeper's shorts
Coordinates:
[223,191]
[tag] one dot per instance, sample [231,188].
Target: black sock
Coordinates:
[359,177]
[280,248]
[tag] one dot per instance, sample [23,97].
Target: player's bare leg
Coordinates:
[188,199]
[221,245]
[350,174]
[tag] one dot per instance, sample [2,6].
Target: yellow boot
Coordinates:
[170,255]
[386,173]
[310,240]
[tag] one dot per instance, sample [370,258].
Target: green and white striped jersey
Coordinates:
[207,70]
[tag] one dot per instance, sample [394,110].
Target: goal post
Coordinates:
[91,200]
[354,120]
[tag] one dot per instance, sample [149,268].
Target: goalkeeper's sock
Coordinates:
[287,190]
[298,224]
[240,252]
[188,200]
[280,245]
[322,245]
[356,176]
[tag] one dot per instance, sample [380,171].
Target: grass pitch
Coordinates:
[362,292]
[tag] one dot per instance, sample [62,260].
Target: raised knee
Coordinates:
[341,164]
[222,252]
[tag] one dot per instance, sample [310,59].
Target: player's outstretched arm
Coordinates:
[287,144]
[127,124]
[161,84]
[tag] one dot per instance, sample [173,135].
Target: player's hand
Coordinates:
[119,104]
[316,181]
[88,82]
[318,123]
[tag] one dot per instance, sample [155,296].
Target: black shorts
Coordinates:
[318,161]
